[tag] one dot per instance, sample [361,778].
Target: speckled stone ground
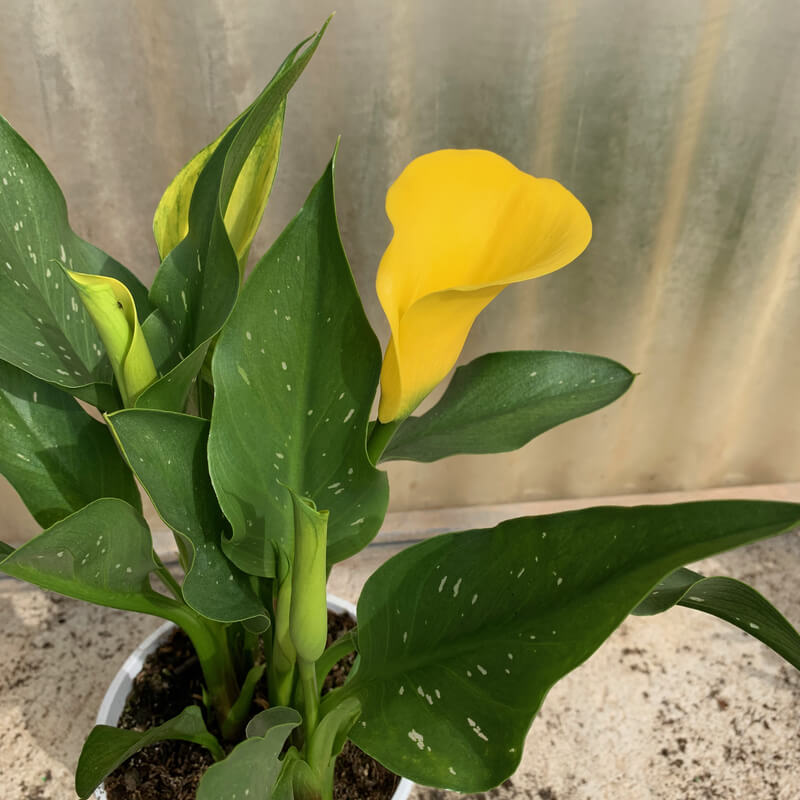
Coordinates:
[675,707]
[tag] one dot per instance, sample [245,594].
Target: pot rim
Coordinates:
[117,693]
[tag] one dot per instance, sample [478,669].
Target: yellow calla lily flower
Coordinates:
[467,223]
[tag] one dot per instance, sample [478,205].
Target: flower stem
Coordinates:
[308,680]
[380,437]
[166,577]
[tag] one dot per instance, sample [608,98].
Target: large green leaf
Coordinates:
[252,769]
[102,554]
[108,747]
[198,281]
[295,373]
[44,328]
[53,453]
[167,451]
[728,599]
[461,637]
[501,401]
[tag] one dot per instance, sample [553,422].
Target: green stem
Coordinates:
[166,577]
[380,437]
[331,700]
[284,657]
[343,646]
[250,654]
[185,551]
[327,781]
[308,680]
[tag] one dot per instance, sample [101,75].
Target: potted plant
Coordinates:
[242,408]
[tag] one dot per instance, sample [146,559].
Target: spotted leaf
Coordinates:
[462,636]
[167,451]
[501,401]
[53,453]
[102,554]
[730,600]
[198,281]
[44,328]
[295,372]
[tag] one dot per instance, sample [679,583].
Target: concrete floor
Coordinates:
[675,707]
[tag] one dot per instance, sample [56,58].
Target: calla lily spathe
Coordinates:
[467,223]
[113,311]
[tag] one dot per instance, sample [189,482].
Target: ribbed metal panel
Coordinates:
[677,124]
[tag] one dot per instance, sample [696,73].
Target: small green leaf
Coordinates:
[5,550]
[295,373]
[252,769]
[53,453]
[501,401]
[108,747]
[462,636]
[102,554]
[239,712]
[198,281]
[728,599]
[331,734]
[44,328]
[167,451]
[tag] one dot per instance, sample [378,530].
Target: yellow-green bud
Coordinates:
[111,307]
[308,622]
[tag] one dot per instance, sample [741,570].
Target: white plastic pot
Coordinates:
[117,694]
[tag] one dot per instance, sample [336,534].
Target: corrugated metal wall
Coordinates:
[677,124]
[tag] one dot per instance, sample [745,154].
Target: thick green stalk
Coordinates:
[211,646]
[308,680]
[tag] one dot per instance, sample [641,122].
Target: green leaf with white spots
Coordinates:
[53,453]
[730,600]
[198,281]
[461,637]
[167,451]
[252,769]
[102,554]
[108,747]
[501,401]
[295,373]
[44,328]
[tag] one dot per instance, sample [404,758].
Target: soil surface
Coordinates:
[171,680]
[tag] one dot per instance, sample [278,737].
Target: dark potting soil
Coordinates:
[169,681]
